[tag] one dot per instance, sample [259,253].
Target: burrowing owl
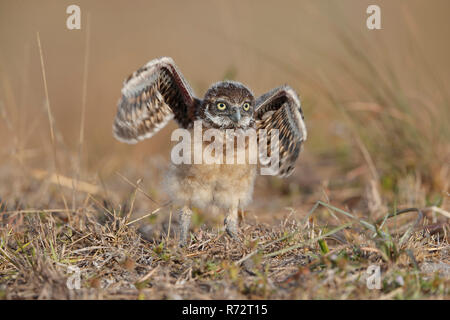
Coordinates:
[158,92]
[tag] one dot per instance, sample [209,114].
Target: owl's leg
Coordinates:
[231,223]
[185,220]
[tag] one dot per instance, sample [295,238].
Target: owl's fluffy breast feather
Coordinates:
[202,185]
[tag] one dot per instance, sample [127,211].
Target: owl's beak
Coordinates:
[235,115]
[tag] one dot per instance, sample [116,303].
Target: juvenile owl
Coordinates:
[158,92]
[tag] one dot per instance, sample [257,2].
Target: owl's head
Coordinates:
[228,105]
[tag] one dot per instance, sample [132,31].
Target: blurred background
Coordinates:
[376,102]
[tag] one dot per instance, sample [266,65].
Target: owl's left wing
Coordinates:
[280,109]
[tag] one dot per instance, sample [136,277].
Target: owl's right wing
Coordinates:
[151,97]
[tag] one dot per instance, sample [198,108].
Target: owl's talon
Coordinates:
[182,243]
[231,228]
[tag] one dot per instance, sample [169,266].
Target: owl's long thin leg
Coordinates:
[231,223]
[185,220]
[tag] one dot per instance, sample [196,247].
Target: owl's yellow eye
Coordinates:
[246,106]
[221,106]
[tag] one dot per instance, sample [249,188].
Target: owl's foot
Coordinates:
[185,220]
[231,227]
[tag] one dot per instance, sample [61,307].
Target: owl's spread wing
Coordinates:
[151,97]
[280,109]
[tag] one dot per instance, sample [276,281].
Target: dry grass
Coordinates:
[295,259]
